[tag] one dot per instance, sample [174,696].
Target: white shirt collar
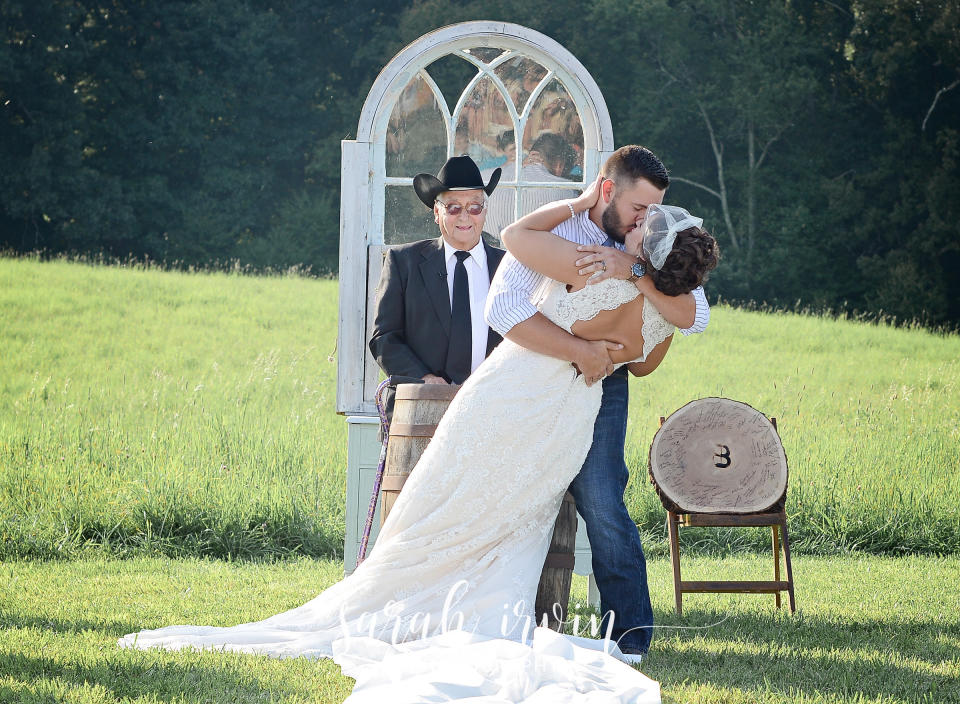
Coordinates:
[478,253]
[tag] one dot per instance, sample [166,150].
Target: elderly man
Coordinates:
[429,319]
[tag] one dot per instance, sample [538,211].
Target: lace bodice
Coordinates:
[565,308]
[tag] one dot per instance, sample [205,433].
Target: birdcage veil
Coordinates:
[660,228]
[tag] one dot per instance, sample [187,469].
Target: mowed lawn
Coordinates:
[148,412]
[868,629]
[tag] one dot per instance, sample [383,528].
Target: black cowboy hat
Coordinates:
[460,173]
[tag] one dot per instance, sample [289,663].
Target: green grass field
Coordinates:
[149,412]
[165,418]
[889,633]
[185,414]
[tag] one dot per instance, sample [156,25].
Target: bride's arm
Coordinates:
[653,359]
[532,243]
[543,251]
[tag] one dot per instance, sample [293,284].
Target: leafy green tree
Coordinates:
[44,98]
[905,57]
[820,140]
[720,90]
[189,132]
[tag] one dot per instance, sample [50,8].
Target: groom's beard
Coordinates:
[615,229]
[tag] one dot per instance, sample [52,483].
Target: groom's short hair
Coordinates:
[634,162]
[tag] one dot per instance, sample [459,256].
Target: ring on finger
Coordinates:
[603,265]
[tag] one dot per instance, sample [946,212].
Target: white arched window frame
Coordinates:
[364,177]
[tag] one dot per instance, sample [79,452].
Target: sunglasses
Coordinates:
[454,209]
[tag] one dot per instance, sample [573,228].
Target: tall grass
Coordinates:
[179,413]
[869,416]
[144,411]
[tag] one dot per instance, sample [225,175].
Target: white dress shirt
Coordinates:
[513,286]
[479,277]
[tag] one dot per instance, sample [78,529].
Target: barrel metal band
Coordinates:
[393,482]
[560,560]
[426,392]
[412,430]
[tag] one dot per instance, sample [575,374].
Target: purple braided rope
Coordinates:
[378,480]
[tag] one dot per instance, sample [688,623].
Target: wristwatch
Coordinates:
[637,271]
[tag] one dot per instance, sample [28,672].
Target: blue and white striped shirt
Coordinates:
[511,291]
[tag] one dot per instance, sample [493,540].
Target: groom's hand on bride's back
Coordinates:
[593,360]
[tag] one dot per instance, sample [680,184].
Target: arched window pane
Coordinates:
[405,217]
[451,73]
[482,124]
[521,76]
[555,113]
[485,54]
[532,197]
[416,134]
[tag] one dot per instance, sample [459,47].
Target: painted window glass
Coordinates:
[416,134]
[477,103]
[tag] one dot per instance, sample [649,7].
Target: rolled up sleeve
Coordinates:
[508,302]
[703,312]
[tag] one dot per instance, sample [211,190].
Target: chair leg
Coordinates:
[786,556]
[672,520]
[776,558]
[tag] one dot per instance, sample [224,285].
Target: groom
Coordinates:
[633,179]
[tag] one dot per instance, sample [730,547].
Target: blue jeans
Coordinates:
[618,563]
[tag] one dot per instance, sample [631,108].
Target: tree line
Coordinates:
[819,139]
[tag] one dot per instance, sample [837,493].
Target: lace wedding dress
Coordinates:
[442,608]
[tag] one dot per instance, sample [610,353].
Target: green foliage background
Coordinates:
[820,140]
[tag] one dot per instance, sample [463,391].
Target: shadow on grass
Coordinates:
[882,658]
[43,623]
[147,677]
[803,653]
[177,529]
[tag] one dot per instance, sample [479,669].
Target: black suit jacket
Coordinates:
[411,327]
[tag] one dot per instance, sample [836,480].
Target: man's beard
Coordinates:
[611,223]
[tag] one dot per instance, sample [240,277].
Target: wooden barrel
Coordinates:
[416,411]
[553,592]
[716,455]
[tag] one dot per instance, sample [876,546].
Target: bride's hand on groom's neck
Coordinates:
[589,197]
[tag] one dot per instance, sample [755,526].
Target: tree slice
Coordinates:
[716,455]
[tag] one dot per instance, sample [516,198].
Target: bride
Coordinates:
[442,608]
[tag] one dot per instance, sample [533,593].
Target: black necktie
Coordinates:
[460,349]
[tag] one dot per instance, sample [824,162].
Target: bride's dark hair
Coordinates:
[694,254]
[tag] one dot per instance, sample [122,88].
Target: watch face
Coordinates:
[638,269]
